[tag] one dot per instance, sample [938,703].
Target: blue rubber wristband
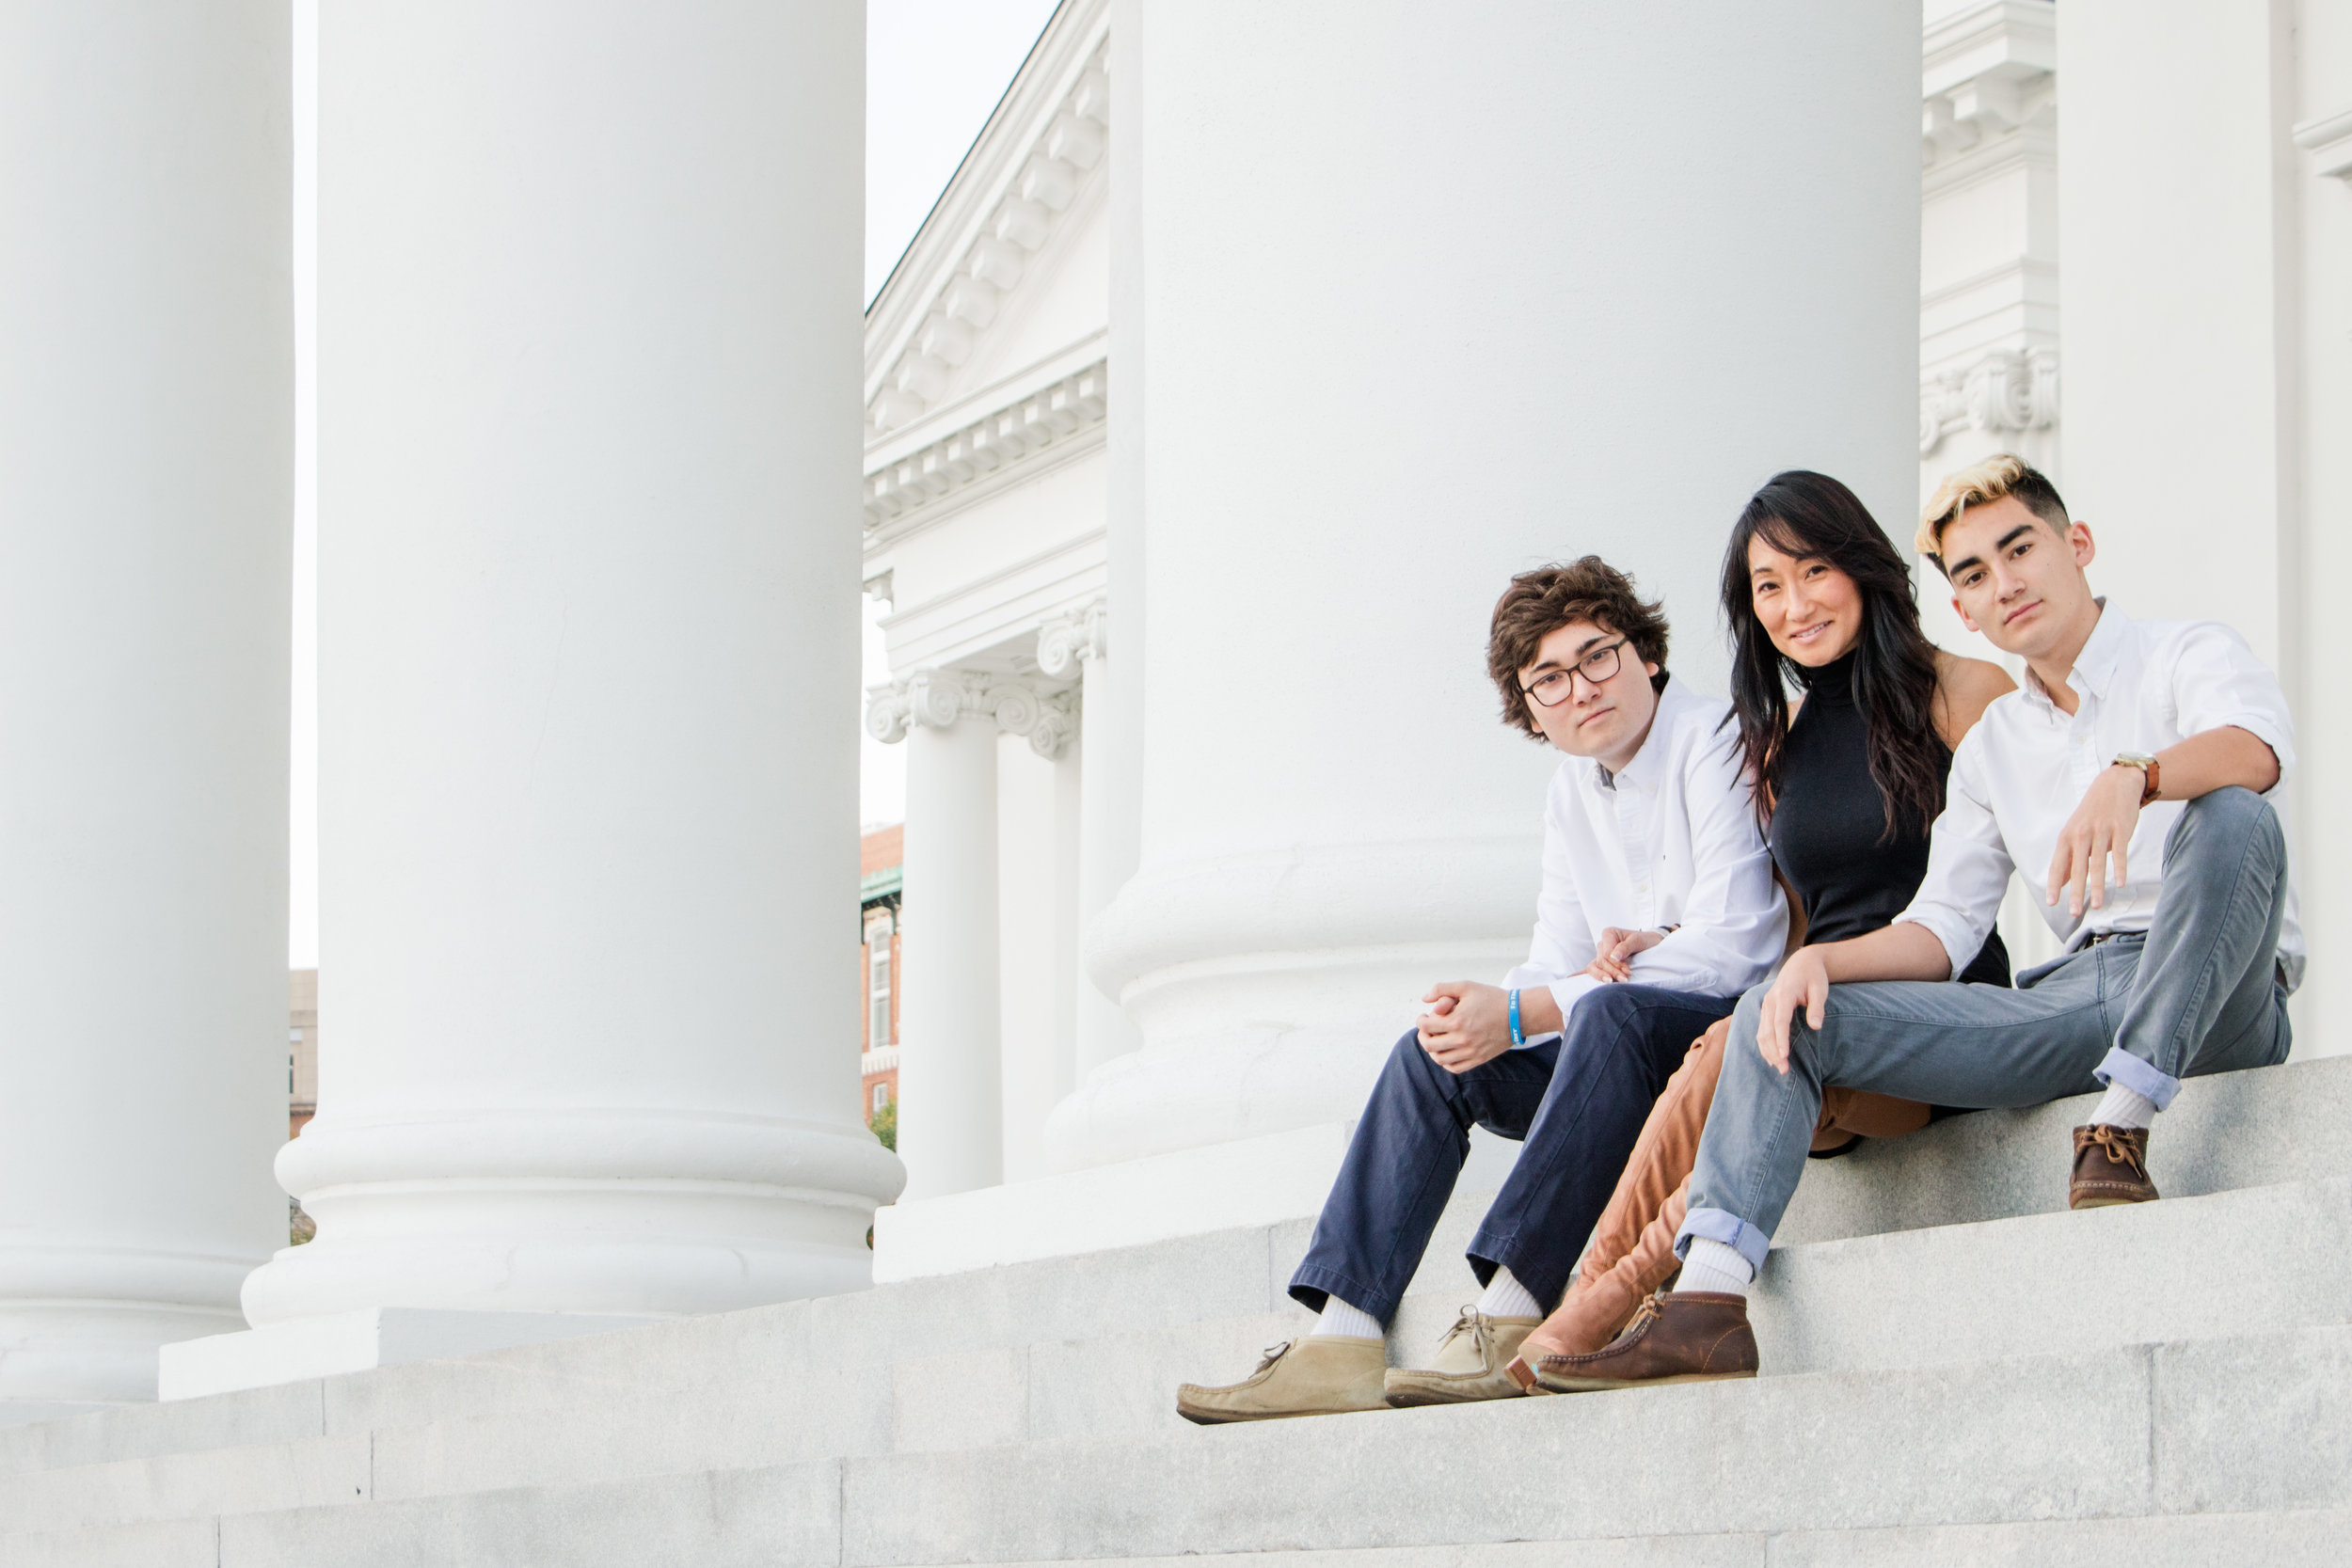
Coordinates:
[1516,1037]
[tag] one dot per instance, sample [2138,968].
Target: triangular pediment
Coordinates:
[1010,271]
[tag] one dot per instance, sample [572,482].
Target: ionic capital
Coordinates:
[1065,638]
[942,698]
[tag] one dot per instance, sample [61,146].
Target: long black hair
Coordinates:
[1811,516]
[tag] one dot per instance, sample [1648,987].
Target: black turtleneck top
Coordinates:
[1829,820]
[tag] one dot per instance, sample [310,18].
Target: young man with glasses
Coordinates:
[2131,779]
[1657,909]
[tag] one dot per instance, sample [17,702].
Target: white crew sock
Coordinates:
[1340,1318]
[2123,1107]
[1507,1297]
[1709,1265]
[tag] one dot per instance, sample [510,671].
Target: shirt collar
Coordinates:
[1649,763]
[2094,666]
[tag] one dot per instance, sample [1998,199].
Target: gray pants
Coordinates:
[2199,993]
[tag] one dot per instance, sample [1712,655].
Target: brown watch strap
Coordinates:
[2154,785]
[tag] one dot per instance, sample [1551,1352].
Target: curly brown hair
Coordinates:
[1540,602]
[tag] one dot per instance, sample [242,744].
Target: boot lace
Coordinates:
[1651,1307]
[1474,1323]
[2116,1146]
[1272,1353]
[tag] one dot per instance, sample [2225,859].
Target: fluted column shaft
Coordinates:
[588,295]
[146,502]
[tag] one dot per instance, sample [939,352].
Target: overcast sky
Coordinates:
[933,71]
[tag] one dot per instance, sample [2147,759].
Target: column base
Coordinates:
[63,1356]
[1252,1181]
[358,1342]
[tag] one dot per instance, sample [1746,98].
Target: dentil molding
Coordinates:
[944,698]
[1064,640]
[1018,431]
[2006,389]
[1984,73]
[1037,188]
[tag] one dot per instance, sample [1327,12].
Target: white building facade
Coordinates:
[1250,352]
[1343,451]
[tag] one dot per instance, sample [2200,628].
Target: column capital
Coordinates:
[1074,635]
[942,698]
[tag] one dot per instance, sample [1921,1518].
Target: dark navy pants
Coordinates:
[1576,1104]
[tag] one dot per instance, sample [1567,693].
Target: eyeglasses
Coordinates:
[1554,687]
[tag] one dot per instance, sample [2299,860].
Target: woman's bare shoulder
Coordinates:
[1965,687]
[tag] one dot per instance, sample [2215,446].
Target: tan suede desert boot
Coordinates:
[1322,1374]
[1467,1365]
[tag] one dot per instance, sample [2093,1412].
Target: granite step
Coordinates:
[2185,1271]
[1089,1348]
[2222,1449]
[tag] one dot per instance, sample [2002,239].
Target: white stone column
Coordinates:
[950,1074]
[146,506]
[2185,362]
[1574,278]
[1079,644]
[589,298]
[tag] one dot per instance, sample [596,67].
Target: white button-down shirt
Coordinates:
[2139,686]
[1671,841]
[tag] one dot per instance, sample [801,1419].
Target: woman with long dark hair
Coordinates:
[1850,778]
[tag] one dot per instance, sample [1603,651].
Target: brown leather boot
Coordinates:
[2110,1167]
[1682,1337]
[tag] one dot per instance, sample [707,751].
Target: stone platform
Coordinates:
[1955,1372]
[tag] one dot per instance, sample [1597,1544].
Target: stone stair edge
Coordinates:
[745,1367]
[2063,1435]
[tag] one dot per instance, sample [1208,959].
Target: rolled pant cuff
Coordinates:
[2120,1067]
[1730,1229]
[1310,1282]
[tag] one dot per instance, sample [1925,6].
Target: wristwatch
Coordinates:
[2150,771]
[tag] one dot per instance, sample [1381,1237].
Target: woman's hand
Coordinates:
[1468,1025]
[1804,982]
[1617,947]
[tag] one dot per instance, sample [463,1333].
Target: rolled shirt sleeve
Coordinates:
[2217,683]
[1968,863]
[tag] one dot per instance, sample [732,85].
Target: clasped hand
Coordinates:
[1467,1026]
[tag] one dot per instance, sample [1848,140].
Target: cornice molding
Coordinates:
[2329,140]
[998,442]
[1046,715]
[1075,636]
[1986,72]
[1044,146]
[2006,389]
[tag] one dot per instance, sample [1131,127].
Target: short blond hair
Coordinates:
[1980,484]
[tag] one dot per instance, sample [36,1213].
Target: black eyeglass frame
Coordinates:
[1614,651]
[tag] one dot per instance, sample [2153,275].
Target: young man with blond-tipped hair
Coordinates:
[2131,779]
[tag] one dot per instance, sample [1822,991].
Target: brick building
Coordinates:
[877,964]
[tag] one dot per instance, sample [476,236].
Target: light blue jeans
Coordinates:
[2200,992]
